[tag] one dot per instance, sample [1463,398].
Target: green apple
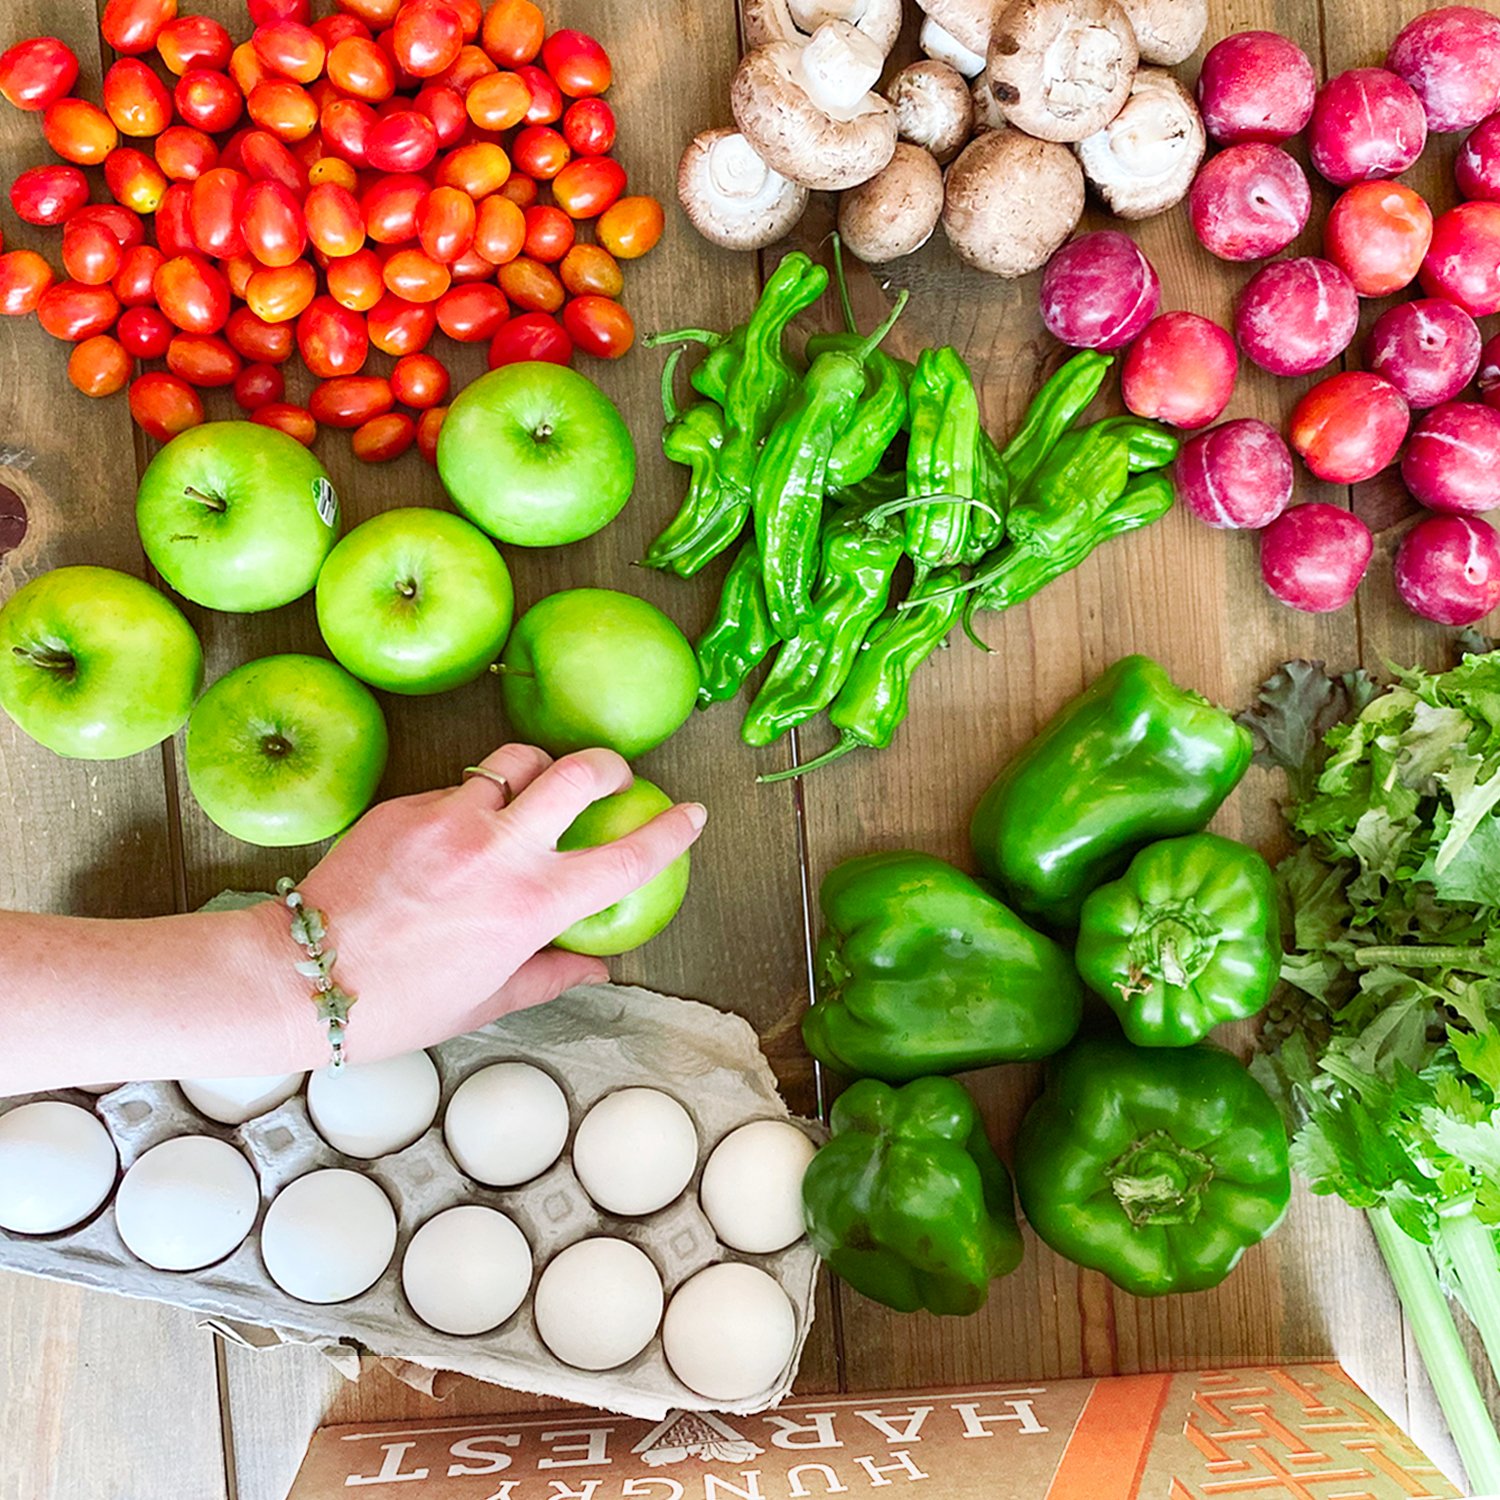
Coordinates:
[236,516]
[285,750]
[95,664]
[594,667]
[641,915]
[536,455]
[415,601]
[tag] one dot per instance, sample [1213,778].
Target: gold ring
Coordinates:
[489,775]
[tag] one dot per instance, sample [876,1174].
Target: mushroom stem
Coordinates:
[838,67]
[943,46]
[810,14]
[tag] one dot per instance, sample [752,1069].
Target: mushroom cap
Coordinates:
[765,21]
[1011,201]
[731,196]
[987,114]
[968,22]
[1061,69]
[1167,31]
[1144,161]
[941,46]
[896,211]
[933,107]
[808,113]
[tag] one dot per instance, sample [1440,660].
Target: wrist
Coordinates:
[269,957]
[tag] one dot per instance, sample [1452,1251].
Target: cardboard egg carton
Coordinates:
[593,1040]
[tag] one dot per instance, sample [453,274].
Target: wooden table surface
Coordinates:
[100,1396]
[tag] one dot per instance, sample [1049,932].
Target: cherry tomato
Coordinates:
[194,42]
[144,332]
[71,311]
[403,141]
[37,72]
[471,266]
[471,64]
[347,124]
[531,285]
[296,421]
[238,269]
[512,32]
[133,25]
[127,226]
[217,215]
[588,185]
[90,253]
[285,109]
[246,69]
[470,16]
[337,28]
[163,405]
[374,13]
[208,100]
[546,98]
[531,335]
[134,281]
[99,366]
[549,233]
[174,221]
[444,108]
[290,50]
[271,221]
[540,151]
[134,179]
[184,154]
[257,386]
[258,341]
[278,294]
[264,12]
[333,171]
[355,281]
[426,36]
[137,101]
[588,126]
[351,400]
[419,381]
[79,131]
[192,293]
[334,223]
[429,425]
[383,438]
[48,195]
[266,159]
[445,224]
[480,169]
[590,270]
[310,148]
[630,227]
[599,326]
[415,276]
[472,313]
[390,208]
[24,277]
[331,339]
[499,230]
[578,63]
[398,327]
[498,101]
[202,359]
[521,190]
[360,69]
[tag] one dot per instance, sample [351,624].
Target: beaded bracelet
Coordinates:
[308,930]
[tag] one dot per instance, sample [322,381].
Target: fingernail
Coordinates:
[697,815]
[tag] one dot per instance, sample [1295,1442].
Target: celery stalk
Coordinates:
[1471,1251]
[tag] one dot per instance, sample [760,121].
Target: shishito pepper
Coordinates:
[740,634]
[1132,759]
[921,970]
[695,438]
[1060,402]
[908,1202]
[1158,1168]
[1187,937]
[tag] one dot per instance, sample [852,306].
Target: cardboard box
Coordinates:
[1304,1433]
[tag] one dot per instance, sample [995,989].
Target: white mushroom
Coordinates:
[1061,69]
[968,22]
[731,196]
[987,114]
[765,21]
[1011,201]
[1168,31]
[896,211]
[808,111]
[933,108]
[1144,161]
[941,46]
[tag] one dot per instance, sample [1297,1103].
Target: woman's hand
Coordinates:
[441,905]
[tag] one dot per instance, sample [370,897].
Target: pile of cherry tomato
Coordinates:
[324,188]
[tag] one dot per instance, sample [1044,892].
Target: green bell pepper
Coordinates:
[1187,937]
[908,1202]
[1133,759]
[921,970]
[1158,1168]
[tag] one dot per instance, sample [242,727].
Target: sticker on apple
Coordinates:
[327,502]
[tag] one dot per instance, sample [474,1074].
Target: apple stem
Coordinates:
[48,658]
[275,746]
[213,502]
[542,432]
[505,671]
[407,588]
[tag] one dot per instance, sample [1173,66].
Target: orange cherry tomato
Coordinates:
[599,326]
[24,276]
[471,64]
[134,179]
[498,101]
[185,154]
[630,227]
[398,327]
[427,36]
[70,311]
[192,293]
[99,366]
[164,405]
[334,223]
[549,233]
[216,217]
[36,72]
[194,42]
[133,26]
[446,223]
[374,13]
[238,269]
[271,220]
[333,171]
[588,185]
[588,126]
[429,425]
[257,386]
[512,32]
[578,63]
[351,400]
[137,274]
[521,190]
[144,332]
[202,359]
[90,253]
[531,285]
[540,151]
[390,207]
[79,131]
[136,100]
[415,276]
[245,67]
[174,221]
[355,281]
[278,294]
[331,339]
[591,271]
[444,107]
[499,230]
[479,168]
[285,109]
[470,16]
[546,97]
[531,335]
[256,340]
[296,421]
[346,126]
[265,159]
[290,50]
[419,380]
[361,69]
[383,438]
[48,194]
[208,100]
[473,312]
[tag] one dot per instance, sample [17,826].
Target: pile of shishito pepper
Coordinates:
[837,466]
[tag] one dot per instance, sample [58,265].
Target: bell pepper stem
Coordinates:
[975,638]
[670,409]
[828,757]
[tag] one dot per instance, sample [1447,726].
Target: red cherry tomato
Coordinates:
[134,179]
[470,15]
[383,438]
[429,425]
[70,311]
[137,101]
[479,168]
[134,281]
[123,223]
[217,215]
[99,366]
[590,270]
[546,98]
[271,221]
[290,50]
[374,13]
[419,381]
[245,67]
[445,224]
[578,63]
[415,276]
[531,285]
[264,12]
[192,293]
[258,341]
[334,223]
[310,148]
[238,269]
[390,207]
[144,332]
[133,26]
[427,36]
[331,339]
[521,190]
[347,124]
[471,64]
[79,131]
[48,195]
[90,253]
[174,221]
[286,109]
[499,230]
[588,126]
[265,159]
[208,100]
[402,141]
[472,313]
[164,405]
[277,294]
[184,154]
[351,400]
[588,185]
[36,72]
[194,42]
[599,326]
[540,151]
[257,386]
[398,327]
[355,281]
[296,421]
[498,101]
[471,266]
[512,32]
[444,107]
[202,359]
[549,233]
[531,335]
[339,27]
[362,70]
[24,277]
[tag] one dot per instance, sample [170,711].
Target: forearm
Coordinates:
[210,994]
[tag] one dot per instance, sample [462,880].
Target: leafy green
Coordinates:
[1296,707]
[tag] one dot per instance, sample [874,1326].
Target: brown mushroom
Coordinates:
[1167,31]
[731,196]
[968,22]
[765,21]
[933,108]
[809,113]
[1011,201]
[942,46]
[987,114]
[1061,69]
[896,211]
[1144,161]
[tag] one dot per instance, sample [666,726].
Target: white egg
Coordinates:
[57,1165]
[752,1186]
[729,1332]
[466,1270]
[598,1304]
[187,1203]
[328,1236]
[371,1109]
[506,1124]
[232,1101]
[635,1151]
